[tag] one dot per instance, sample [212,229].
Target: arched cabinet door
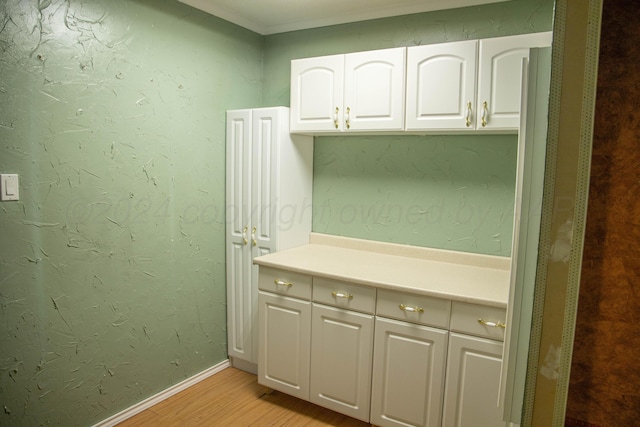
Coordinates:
[317,93]
[441,86]
[374,90]
[362,91]
[500,79]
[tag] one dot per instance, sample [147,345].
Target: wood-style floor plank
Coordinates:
[234,398]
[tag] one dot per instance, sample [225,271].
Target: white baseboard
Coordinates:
[163,395]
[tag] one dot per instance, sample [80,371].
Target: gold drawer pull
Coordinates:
[411,309]
[282,283]
[492,324]
[341,295]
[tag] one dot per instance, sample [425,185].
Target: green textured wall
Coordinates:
[112,113]
[445,192]
[112,274]
[452,192]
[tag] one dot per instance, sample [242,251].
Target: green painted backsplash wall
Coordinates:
[449,192]
[112,264]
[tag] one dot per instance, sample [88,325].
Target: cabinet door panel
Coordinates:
[374,90]
[473,382]
[258,187]
[284,344]
[341,360]
[316,92]
[264,181]
[240,298]
[440,85]
[408,379]
[239,303]
[500,78]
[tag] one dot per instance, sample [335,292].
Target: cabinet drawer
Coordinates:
[345,295]
[284,282]
[478,320]
[413,308]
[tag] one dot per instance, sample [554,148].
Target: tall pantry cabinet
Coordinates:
[268,208]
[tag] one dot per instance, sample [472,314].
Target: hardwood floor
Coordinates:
[234,398]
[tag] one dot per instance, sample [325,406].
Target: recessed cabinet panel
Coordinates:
[317,86]
[441,86]
[284,344]
[240,344]
[408,374]
[341,347]
[500,79]
[473,383]
[504,83]
[374,90]
[264,180]
[311,85]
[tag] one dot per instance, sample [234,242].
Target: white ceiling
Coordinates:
[279,16]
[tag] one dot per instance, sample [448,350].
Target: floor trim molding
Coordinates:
[163,395]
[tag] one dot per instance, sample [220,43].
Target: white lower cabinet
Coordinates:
[341,343]
[385,357]
[408,374]
[284,344]
[284,314]
[473,382]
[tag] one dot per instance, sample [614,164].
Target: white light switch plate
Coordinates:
[9,187]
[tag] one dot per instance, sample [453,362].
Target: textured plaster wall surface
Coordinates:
[112,274]
[448,192]
[605,373]
[424,191]
[112,113]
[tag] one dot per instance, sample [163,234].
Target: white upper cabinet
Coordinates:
[374,90]
[361,91]
[500,78]
[316,93]
[468,85]
[441,86]
[459,86]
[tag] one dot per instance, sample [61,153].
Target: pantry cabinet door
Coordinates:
[408,374]
[374,90]
[441,86]
[317,94]
[240,292]
[264,182]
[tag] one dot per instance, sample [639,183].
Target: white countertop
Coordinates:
[480,279]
